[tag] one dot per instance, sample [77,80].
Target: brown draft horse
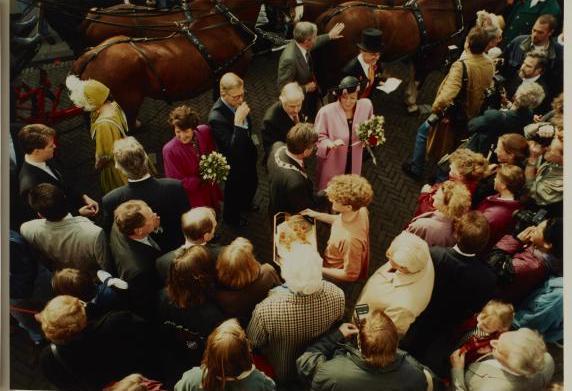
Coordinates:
[170,68]
[314,8]
[139,21]
[401,34]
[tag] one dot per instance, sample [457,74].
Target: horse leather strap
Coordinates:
[416,10]
[153,71]
[202,49]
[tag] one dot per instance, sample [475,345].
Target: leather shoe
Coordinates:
[23,28]
[406,168]
[19,45]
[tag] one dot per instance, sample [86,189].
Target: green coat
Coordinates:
[522,17]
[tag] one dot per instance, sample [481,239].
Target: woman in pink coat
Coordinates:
[339,149]
[181,157]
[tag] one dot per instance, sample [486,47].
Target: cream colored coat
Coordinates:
[401,296]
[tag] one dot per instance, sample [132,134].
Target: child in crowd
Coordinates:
[494,319]
[103,296]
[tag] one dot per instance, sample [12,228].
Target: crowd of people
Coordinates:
[144,296]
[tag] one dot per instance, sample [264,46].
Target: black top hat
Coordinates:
[348,84]
[371,40]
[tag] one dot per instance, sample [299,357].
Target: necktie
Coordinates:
[371,74]
[309,61]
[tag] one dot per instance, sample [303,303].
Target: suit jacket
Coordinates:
[354,68]
[485,375]
[232,141]
[30,176]
[292,65]
[165,196]
[236,144]
[463,284]
[71,242]
[275,127]
[291,190]
[135,264]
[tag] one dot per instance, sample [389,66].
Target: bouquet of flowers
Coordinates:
[372,133]
[213,167]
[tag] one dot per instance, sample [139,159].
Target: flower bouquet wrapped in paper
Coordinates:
[214,168]
[372,133]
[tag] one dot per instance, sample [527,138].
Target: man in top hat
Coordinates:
[366,67]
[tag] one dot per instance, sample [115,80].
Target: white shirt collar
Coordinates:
[531,79]
[363,64]
[299,161]
[304,51]
[140,179]
[145,240]
[456,248]
[41,165]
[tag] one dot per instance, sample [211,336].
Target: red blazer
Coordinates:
[498,213]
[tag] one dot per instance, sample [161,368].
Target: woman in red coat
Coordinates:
[181,157]
[499,208]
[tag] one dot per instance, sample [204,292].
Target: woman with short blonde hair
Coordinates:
[63,318]
[241,281]
[227,364]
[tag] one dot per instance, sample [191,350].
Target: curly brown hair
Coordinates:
[350,189]
[470,165]
[183,117]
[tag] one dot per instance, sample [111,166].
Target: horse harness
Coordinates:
[414,7]
[217,69]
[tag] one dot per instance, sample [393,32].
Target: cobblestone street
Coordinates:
[393,205]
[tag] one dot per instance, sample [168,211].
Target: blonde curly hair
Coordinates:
[350,189]
[456,199]
[470,165]
[63,318]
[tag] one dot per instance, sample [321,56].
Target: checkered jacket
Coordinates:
[285,323]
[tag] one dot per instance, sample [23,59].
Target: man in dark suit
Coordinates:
[135,252]
[165,195]
[366,67]
[198,226]
[232,130]
[463,285]
[296,64]
[291,190]
[38,144]
[281,116]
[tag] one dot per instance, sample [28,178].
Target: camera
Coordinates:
[493,94]
[527,218]
[453,54]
